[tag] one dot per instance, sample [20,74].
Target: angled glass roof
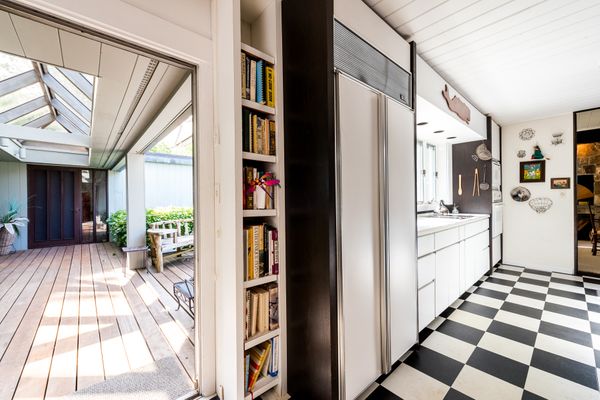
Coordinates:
[44,96]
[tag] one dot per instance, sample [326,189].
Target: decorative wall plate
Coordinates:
[540,204]
[558,139]
[520,194]
[527,134]
[483,153]
[521,153]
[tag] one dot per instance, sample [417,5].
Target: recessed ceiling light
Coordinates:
[451,137]
[440,131]
[422,123]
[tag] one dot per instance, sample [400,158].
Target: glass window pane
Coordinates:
[100,205]
[420,172]
[55,126]
[87,221]
[72,110]
[55,72]
[21,96]
[12,66]
[25,119]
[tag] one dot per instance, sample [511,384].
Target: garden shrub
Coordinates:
[117,221]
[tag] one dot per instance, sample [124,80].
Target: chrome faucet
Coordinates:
[442,209]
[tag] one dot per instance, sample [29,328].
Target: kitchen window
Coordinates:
[426,172]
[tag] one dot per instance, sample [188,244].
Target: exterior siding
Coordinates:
[13,189]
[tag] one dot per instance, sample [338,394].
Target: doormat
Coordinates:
[162,380]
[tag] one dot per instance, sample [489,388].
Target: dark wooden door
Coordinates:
[54,206]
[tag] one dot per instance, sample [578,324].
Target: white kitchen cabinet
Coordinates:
[496,249]
[426,305]
[447,275]
[426,270]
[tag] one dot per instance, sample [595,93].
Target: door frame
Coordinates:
[32,244]
[93,199]
[575,202]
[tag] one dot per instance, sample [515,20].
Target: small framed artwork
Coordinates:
[560,183]
[532,171]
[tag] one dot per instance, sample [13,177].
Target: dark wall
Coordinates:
[463,163]
[310,199]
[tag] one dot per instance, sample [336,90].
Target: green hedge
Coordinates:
[117,222]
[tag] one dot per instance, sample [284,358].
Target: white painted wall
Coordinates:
[13,189]
[117,197]
[541,241]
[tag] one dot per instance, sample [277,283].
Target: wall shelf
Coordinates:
[262,385]
[257,53]
[260,213]
[261,338]
[258,157]
[260,281]
[258,107]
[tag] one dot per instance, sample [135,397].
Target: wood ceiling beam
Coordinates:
[41,122]
[77,79]
[69,98]
[22,109]
[26,133]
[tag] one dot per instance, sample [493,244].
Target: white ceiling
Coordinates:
[130,88]
[516,60]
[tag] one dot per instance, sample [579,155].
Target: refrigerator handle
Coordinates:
[384,290]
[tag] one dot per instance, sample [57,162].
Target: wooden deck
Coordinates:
[69,318]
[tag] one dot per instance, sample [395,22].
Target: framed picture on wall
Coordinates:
[560,183]
[532,171]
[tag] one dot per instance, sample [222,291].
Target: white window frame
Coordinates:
[426,171]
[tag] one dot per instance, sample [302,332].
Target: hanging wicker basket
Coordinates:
[6,242]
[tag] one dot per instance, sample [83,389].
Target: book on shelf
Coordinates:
[261,255]
[270,86]
[274,357]
[258,80]
[257,312]
[259,194]
[258,133]
[246,370]
[273,290]
[258,357]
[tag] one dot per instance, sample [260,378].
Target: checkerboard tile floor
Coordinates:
[516,334]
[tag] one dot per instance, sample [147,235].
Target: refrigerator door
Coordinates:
[359,236]
[497,219]
[402,241]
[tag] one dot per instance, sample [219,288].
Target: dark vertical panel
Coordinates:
[310,199]
[87,210]
[463,164]
[68,205]
[54,204]
[39,205]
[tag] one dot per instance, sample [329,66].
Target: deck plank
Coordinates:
[15,274]
[34,377]
[33,299]
[90,368]
[62,379]
[138,353]
[113,350]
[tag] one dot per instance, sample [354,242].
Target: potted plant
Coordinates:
[9,228]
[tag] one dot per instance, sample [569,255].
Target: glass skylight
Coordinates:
[20,96]
[30,80]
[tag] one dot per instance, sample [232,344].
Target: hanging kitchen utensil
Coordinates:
[459,184]
[474,157]
[476,182]
[484,185]
[483,153]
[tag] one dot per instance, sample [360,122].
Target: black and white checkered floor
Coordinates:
[517,334]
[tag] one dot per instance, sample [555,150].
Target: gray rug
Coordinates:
[162,380]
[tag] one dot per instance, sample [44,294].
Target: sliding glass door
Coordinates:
[94,206]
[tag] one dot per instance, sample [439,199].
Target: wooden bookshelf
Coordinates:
[261,40]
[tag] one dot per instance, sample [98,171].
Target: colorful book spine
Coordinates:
[252,80]
[270,85]
[260,87]
[243,68]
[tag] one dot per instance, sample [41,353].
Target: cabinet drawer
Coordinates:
[425,245]
[481,240]
[446,238]
[426,305]
[476,227]
[426,269]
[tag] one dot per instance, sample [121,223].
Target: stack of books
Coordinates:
[258,80]
[261,255]
[257,195]
[258,133]
[261,361]
[261,310]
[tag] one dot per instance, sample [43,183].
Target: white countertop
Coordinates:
[429,225]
